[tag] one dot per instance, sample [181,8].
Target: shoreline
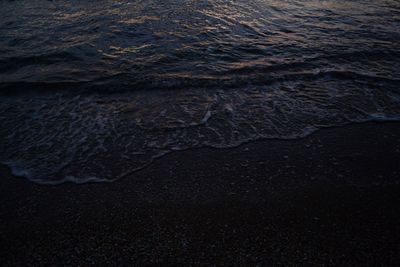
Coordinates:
[331,198]
[9,170]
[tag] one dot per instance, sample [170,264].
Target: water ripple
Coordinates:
[94,91]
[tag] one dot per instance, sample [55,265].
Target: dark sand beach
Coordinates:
[330,199]
[200,133]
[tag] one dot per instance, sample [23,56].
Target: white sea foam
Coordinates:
[55,139]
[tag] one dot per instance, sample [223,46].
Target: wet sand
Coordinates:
[332,198]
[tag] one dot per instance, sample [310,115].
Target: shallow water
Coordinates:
[95,91]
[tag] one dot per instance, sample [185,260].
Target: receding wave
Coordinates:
[96,92]
[53,136]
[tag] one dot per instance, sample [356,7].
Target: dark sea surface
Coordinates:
[93,91]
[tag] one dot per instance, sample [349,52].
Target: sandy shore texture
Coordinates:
[331,199]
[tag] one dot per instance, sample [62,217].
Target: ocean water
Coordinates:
[93,91]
